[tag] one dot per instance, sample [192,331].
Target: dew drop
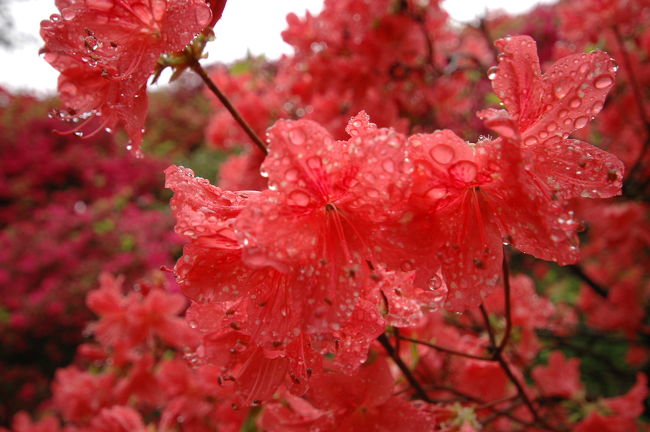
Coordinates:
[203,16]
[79,133]
[551,127]
[434,283]
[314,163]
[291,175]
[603,81]
[436,193]
[595,109]
[297,136]
[531,140]
[68,14]
[561,91]
[575,102]
[464,171]
[584,68]
[299,198]
[563,113]
[580,122]
[442,153]
[388,166]
[492,72]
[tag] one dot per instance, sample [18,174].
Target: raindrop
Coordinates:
[68,14]
[531,140]
[603,81]
[595,109]
[388,166]
[442,153]
[580,122]
[297,136]
[434,283]
[575,102]
[314,162]
[291,175]
[436,193]
[464,171]
[492,72]
[299,198]
[203,16]
[561,91]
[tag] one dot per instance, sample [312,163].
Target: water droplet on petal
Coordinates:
[388,166]
[442,153]
[492,72]
[563,113]
[575,102]
[68,14]
[584,68]
[297,136]
[561,91]
[436,193]
[551,127]
[595,109]
[314,162]
[434,283]
[531,140]
[464,171]
[291,175]
[603,81]
[203,16]
[580,122]
[299,198]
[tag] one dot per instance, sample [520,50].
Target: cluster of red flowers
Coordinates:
[363,282]
[90,208]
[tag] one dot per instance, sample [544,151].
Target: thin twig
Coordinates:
[446,350]
[488,325]
[383,340]
[196,67]
[580,273]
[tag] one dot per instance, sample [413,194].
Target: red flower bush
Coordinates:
[421,273]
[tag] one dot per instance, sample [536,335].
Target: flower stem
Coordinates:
[196,67]
[383,340]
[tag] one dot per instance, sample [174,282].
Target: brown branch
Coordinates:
[383,340]
[595,286]
[446,350]
[196,67]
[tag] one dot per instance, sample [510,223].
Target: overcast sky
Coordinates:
[248,25]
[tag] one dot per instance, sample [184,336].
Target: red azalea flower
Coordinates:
[561,377]
[549,107]
[106,50]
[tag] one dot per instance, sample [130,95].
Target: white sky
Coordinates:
[247,25]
